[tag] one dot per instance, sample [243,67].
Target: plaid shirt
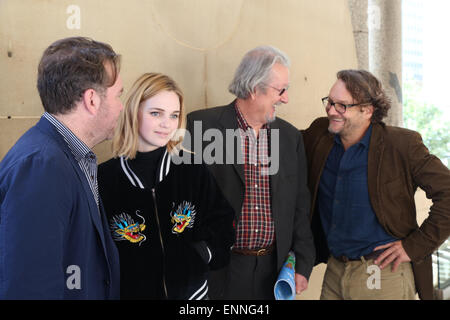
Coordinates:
[255,228]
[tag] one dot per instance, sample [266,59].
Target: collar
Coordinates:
[161,173]
[365,141]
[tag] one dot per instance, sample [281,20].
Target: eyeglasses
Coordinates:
[340,107]
[280,91]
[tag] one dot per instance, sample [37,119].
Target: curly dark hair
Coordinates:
[365,87]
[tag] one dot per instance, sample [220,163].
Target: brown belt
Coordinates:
[371,256]
[255,252]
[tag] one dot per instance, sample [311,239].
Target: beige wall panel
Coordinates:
[181,20]
[316,35]
[130,29]
[423,205]
[198,42]
[23,35]
[103,151]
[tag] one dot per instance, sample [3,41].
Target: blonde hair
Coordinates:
[125,142]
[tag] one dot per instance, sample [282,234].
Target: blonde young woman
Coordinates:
[169,221]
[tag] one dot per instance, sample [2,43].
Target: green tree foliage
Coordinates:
[428,120]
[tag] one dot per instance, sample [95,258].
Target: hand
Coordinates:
[394,252]
[301,284]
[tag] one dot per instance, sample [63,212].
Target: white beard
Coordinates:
[272,118]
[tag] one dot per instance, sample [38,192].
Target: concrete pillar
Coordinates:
[385,51]
[358,11]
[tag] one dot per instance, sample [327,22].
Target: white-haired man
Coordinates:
[263,177]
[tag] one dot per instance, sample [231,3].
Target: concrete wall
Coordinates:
[197,42]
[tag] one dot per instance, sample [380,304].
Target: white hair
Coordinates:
[254,70]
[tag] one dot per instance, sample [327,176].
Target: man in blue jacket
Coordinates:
[54,240]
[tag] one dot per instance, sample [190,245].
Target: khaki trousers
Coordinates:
[363,280]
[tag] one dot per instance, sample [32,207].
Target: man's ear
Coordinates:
[254,93]
[91,101]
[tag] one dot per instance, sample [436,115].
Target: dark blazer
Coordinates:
[51,230]
[398,163]
[290,194]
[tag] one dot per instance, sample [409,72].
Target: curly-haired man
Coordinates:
[363,175]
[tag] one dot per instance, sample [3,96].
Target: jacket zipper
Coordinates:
[162,244]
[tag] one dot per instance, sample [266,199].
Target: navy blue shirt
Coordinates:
[349,222]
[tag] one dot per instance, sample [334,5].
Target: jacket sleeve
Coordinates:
[35,210]
[432,176]
[303,243]
[217,226]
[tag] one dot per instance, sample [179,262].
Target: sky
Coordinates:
[437,53]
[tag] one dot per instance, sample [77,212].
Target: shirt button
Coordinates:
[256,207]
[256,230]
[256,186]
